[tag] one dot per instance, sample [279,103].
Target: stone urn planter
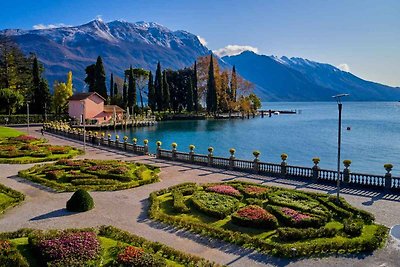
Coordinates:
[346,171]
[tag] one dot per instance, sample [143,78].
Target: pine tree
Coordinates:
[90,79]
[195,90]
[158,88]
[233,84]
[125,93]
[151,101]
[111,86]
[211,89]
[100,78]
[189,100]
[131,89]
[165,92]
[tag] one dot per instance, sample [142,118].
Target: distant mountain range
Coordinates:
[142,44]
[297,79]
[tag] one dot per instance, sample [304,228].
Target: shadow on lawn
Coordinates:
[53,214]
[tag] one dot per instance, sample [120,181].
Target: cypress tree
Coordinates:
[151,101]
[115,89]
[100,78]
[111,85]
[125,93]
[189,100]
[165,92]
[233,84]
[131,89]
[45,95]
[158,88]
[211,89]
[195,91]
[36,97]
[90,77]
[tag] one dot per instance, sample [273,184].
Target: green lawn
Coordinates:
[9,132]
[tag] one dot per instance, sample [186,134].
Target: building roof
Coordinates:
[82,96]
[110,108]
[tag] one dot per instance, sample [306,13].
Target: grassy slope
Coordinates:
[9,132]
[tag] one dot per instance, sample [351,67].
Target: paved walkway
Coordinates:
[127,210]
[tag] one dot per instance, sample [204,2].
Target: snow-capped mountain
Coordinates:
[119,43]
[298,79]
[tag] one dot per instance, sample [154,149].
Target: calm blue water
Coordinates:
[374,138]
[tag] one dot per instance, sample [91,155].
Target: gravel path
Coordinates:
[126,209]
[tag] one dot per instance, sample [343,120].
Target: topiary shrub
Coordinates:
[352,227]
[80,201]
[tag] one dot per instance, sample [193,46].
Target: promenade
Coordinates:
[127,209]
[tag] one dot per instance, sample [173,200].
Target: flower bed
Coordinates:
[254,216]
[255,191]
[70,175]
[28,149]
[103,246]
[224,189]
[316,222]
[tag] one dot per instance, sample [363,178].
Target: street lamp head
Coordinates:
[339,97]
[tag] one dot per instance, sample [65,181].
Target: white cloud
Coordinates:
[49,26]
[232,50]
[344,67]
[202,40]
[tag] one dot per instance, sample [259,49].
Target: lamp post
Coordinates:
[339,102]
[27,115]
[83,122]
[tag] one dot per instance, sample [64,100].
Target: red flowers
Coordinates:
[224,189]
[58,149]
[254,213]
[129,254]
[255,190]
[25,138]
[99,168]
[295,215]
[5,246]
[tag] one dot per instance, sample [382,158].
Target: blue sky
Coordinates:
[361,35]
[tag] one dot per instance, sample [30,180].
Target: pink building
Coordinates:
[92,105]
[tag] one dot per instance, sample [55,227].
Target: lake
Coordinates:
[374,138]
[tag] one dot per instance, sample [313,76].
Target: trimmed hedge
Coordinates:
[15,195]
[179,202]
[80,201]
[287,234]
[214,204]
[254,216]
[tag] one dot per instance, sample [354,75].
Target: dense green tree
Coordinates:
[189,99]
[46,98]
[165,92]
[90,78]
[60,97]
[234,84]
[158,83]
[100,78]
[10,100]
[131,89]
[125,94]
[195,90]
[115,89]
[151,101]
[111,86]
[211,100]
[40,93]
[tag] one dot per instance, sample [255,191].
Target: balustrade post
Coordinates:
[191,153]
[117,141]
[109,140]
[232,158]
[284,165]
[388,176]
[256,160]
[125,142]
[146,146]
[158,152]
[346,171]
[210,156]
[102,139]
[315,169]
[174,146]
[134,140]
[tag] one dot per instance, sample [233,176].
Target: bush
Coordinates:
[291,217]
[352,227]
[179,202]
[255,191]
[215,204]
[224,189]
[10,256]
[254,216]
[80,201]
[287,234]
[136,257]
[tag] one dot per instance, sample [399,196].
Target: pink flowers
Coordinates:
[255,190]
[57,149]
[254,213]
[99,168]
[81,246]
[224,189]
[295,215]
